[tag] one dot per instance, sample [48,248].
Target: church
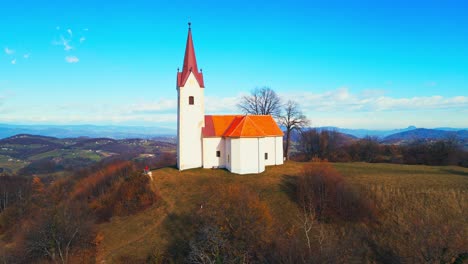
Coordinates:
[242,144]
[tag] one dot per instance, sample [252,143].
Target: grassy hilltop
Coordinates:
[420,210]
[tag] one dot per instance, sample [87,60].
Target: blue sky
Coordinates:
[362,64]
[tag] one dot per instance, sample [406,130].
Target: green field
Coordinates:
[435,196]
[10,164]
[68,154]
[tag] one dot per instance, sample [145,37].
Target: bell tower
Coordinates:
[190,110]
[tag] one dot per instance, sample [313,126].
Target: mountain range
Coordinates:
[92,131]
[382,134]
[144,132]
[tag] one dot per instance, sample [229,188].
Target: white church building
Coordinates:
[240,143]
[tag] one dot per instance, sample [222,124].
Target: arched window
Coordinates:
[191,100]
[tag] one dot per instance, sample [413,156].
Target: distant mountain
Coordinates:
[360,133]
[71,131]
[425,134]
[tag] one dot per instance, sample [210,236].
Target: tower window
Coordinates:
[266,156]
[218,153]
[191,100]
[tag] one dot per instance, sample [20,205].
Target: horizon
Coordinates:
[172,128]
[374,66]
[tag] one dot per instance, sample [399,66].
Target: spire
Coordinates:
[190,63]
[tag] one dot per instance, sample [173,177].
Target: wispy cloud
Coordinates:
[221,105]
[72,59]
[27,55]
[63,42]
[69,31]
[66,44]
[343,100]
[13,61]
[152,107]
[9,51]
[82,39]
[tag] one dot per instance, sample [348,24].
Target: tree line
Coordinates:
[334,146]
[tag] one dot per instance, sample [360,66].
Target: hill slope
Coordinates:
[401,193]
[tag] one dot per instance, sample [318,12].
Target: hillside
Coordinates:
[41,154]
[434,195]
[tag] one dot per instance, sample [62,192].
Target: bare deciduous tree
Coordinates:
[292,119]
[261,101]
[60,232]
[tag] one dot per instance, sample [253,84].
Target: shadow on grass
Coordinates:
[456,172]
[181,229]
[288,185]
[383,254]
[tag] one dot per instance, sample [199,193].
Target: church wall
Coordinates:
[210,147]
[270,149]
[191,119]
[227,147]
[279,150]
[247,155]
[235,155]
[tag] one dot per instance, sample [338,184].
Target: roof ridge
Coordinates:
[257,127]
[243,124]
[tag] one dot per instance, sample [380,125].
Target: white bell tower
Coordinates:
[190,110]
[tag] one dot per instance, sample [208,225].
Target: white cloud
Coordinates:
[85,29]
[150,107]
[27,55]
[63,42]
[82,39]
[343,100]
[221,105]
[72,59]
[70,32]
[13,61]
[9,51]
[66,44]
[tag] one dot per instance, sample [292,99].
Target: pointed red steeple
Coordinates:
[190,64]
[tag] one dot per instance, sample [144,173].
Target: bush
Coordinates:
[236,226]
[322,190]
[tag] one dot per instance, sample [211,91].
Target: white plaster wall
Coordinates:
[210,146]
[235,155]
[279,150]
[227,146]
[270,148]
[247,155]
[191,119]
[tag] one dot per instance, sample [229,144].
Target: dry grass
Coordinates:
[401,192]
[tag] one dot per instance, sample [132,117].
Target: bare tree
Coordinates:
[60,232]
[261,101]
[292,119]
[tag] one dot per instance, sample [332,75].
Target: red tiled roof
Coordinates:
[240,126]
[190,64]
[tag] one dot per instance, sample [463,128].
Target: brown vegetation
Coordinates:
[56,221]
[336,147]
